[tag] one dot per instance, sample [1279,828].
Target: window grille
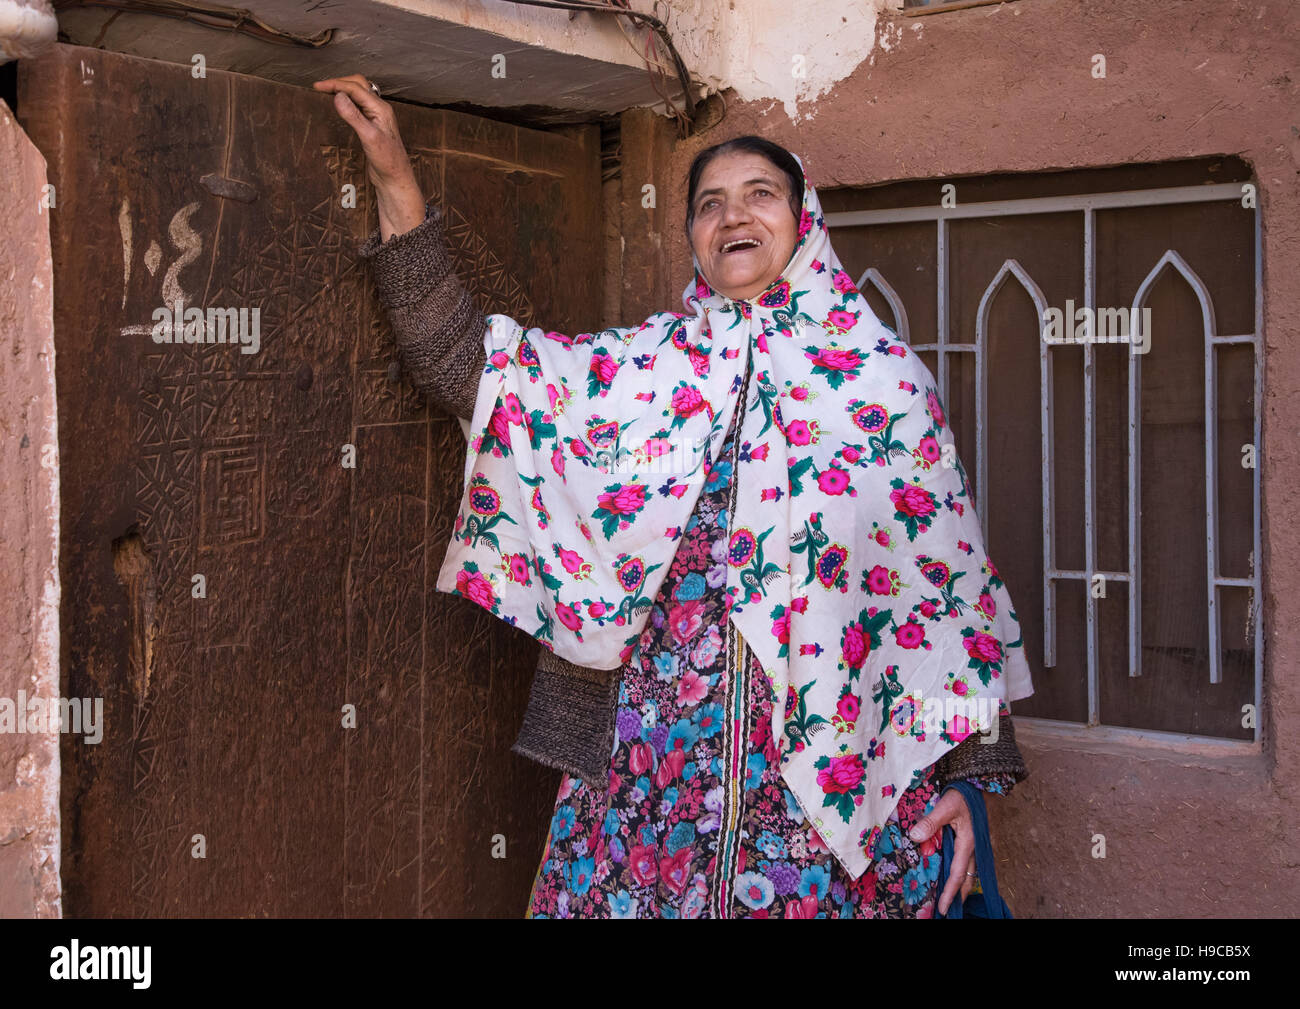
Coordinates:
[882,247]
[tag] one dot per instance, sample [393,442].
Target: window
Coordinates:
[1118,484]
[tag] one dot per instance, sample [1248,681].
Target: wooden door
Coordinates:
[229,586]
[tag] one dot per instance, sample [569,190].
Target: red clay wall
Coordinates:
[29,535]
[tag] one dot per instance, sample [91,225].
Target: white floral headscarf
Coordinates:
[856,564]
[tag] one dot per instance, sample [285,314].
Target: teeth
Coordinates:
[740,241]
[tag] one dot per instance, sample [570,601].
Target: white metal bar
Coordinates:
[918,347]
[941,334]
[1212,503]
[1039,205]
[1172,260]
[1256,559]
[981,414]
[1110,576]
[1046,426]
[1089,460]
[877,280]
[1135,505]
[1012,268]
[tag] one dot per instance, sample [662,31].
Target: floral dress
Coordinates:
[694,820]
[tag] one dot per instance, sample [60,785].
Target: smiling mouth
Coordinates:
[740,245]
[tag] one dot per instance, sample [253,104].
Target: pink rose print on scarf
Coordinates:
[841,779]
[601,373]
[569,618]
[835,363]
[833,482]
[927,451]
[958,729]
[802,432]
[687,401]
[518,568]
[840,774]
[861,637]
[910,634]
[882,581]
[985,653]
[915,506]
[497,439]
[699,362]
[838,322]
[846,711]
[936,409]
[781,629]
[617,507]
[471,584]
[805,224]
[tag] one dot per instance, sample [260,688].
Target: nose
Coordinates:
[735,213]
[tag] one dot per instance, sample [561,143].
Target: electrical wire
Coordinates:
[656,25]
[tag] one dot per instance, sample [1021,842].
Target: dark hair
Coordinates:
[749,144]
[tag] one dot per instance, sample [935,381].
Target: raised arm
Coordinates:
[438,329]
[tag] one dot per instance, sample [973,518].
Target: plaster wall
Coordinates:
[29,537]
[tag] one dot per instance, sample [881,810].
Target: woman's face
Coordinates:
[744,232]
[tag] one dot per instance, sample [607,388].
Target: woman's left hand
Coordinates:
[951,809]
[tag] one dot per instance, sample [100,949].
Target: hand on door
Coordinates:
[401,204]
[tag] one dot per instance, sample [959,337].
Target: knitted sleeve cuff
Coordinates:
[976,758]
[569,723]
[406,266]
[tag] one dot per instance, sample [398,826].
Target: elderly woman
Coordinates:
[742,536]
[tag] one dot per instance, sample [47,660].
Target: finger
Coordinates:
[963,854]
[950,889]
[332,83]
[353,117]
[946,810]
[923,829]
[358,90]
[968,883]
